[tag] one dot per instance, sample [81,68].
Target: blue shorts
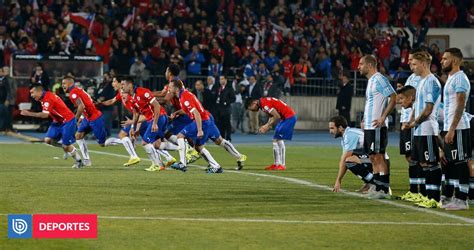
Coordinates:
[143,127]
[150,137]
[178,123]
[213,131]
[190,131]
[64,132]
[97,127]
[284,129]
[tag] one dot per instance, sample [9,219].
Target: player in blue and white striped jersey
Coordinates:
[456,131]
[353,156]
[380,101]
[425,137]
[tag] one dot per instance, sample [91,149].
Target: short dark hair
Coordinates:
[455,52]
[36,86]
[128,79]
[249,102]
[406,89]
[69,78]
[339,121]
[178,84]
[173,69]
[370,59]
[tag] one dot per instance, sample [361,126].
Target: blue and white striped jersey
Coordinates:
[457,83]
[376,95]
[428,91]
[352,139]
[405,114]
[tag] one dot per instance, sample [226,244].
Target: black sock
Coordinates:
[433,182]
[378,184]
[462,171]
[361,171]
[421,179]
[412,174]
[450,180]
[471,188]
[385,180]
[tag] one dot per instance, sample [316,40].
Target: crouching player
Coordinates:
[277,110]
[353,156]
[64,122]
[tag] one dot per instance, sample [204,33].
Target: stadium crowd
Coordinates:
[299,39]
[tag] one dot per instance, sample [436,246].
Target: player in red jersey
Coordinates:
[92,121]
[156,118]
[197,130]
[124,139]
[63,126]
[277,110]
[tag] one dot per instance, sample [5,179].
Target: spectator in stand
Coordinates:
[105,91]
[4,101]
[255,92]
[251,69]
[11,97]
[203,94]
[271,88]
[287,74]
[262,72]
[215,68]
[238,111]
[39,76]
[194,61]
[324,65]
[450,14]
[138,71]
[271,60]
[344,97]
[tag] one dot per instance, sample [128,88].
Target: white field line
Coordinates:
[327,188]
[310,222]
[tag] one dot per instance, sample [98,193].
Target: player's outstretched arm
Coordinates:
[109,102]
[42,115]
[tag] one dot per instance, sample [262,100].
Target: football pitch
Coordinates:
[248,209]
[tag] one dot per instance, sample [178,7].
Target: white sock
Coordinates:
[182,151]
[165,154]
[276,153]
[153,155]
[281,144]
[83,147]
[173,139]
[112,141]
[208,157]
[168,146]
[74,154]
[127,143]
[230,148]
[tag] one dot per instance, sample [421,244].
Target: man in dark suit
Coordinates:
[225,97]
[203,94]
[212,86]
[344,97]
[255,92]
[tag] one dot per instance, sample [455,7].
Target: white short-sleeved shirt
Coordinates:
[377,95]
[457,83]
[428,91]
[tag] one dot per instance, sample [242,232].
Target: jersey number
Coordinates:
[454,153]
[407,146]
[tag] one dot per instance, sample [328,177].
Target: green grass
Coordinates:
[32,182]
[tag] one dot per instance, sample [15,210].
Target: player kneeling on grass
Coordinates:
[277,110]
[63,126]
[353,156]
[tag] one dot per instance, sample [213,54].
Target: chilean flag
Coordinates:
[128,21]
[82,18]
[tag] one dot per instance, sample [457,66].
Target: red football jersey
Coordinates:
[55,107]
[142,100]
[267,104]
[90,112]
[189,102]
[126,103]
